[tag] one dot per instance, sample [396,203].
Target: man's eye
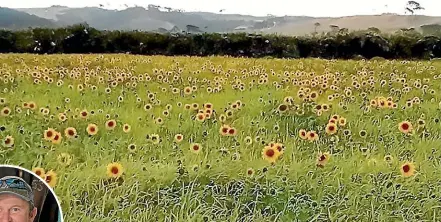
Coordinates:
[15,209]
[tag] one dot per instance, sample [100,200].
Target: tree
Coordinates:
[412,7]
[316,25]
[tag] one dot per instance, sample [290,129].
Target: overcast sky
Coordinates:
[332,8]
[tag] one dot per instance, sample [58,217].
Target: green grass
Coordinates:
[168,182]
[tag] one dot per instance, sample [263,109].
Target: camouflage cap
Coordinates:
[17,186]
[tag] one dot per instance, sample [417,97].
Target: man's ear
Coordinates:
[33,214]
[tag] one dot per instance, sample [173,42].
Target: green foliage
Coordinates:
[406,44]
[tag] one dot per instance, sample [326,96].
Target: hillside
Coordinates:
[386,23]
[154,19]
[13,19]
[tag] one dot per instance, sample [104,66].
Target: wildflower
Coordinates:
[57,138]
[155,138]
[248,140]
[39,172]
[232,131]
[178,138]
[224,130]
[250,172]
[407,169]
[5,111]
[110,124]
[195,148]
[84,114]
[114,170]
[8,141]
[126,128]
[270,154]
[322,159]
[131,147]
[405,127]
[312,136]
[303,134]
[388,158]
[64,159]
[342,121]
[331,129]
[200,117]
[49,134]
[51,178]
[92,129]
[70,132]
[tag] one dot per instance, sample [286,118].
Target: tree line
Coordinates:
[340,45]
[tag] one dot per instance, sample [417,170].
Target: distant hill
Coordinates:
[157,19]
[385,22]
[13,19]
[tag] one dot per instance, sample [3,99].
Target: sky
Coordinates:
[316,8]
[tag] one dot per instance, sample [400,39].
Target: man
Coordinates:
[16,200]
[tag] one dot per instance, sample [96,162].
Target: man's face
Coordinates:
[15,209]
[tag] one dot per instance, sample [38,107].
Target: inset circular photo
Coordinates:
[25,197]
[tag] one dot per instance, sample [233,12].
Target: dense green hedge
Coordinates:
[83,39]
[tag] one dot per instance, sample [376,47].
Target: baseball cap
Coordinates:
[17,186]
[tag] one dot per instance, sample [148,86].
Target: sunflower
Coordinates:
[110,124]
[208,106]
[195,148]
[39,172]
[250,172]
[178,138]
[64,159]
[373,103]
[155,139]
[388,158]
[222,118]
[25,105]
[92,129]
[70,132]
[270,154]
[84,114]
[126,128]
[224,130]
[51,178]
[312,136]
[8,141]
[405,127]
[32,105]
[57,138]
[114,170]
[331,129]
[5,111]
[232,131]
[187,90]
[49,134]
[200,117]
[342,121]
[303,134]
[62,117]
[131,147]
[407,169]
[323,158]
[279,147]
[159,121]
[248,140]
[195,106]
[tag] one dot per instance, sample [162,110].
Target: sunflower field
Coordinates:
[154,138]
